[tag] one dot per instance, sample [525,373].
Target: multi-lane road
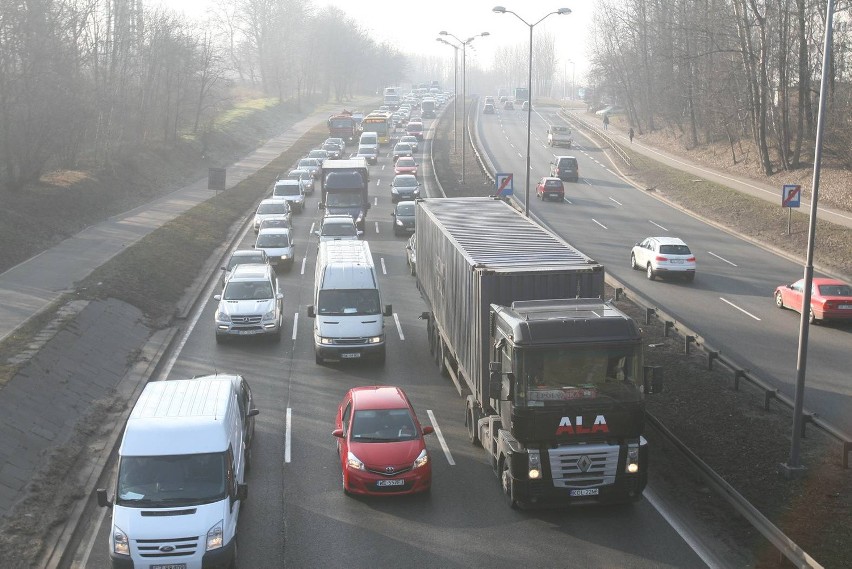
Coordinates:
[730,303]
[297,514]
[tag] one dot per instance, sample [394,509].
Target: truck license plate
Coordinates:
[398,482]
[585,492]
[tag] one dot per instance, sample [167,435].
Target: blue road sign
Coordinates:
[791,195]
[505,186]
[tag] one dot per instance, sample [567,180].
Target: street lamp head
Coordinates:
[561,11]
[483,34]
[498,10]
[442,33]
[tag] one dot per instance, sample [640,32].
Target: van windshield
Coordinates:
[348,301]
[169,481]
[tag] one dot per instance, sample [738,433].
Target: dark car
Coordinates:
[404,187]
[334,150]
[565,168]
[241,257]
[380,443]
[509,105]
[550,189]
[371,153]
[403,218]
[415,128]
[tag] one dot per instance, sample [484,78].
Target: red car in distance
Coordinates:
[405,165]
[550,188]
[380,443]
[831,299]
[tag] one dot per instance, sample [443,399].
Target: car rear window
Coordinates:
[835,290]
[553,184]
[675,250]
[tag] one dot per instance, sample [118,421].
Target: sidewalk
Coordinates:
[31,286]
[742,184]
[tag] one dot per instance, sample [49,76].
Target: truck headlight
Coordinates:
[120,543]
[353,461]
[632,463]
[534,458]
[215,536]
[422,459]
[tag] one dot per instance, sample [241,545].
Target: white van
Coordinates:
[368,139]
[348,317]
[181,474]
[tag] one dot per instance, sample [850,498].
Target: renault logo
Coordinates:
[584,463]
[167,548]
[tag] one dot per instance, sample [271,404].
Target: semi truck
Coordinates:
[343,125]
[551,374]
[522,94]
[344,185]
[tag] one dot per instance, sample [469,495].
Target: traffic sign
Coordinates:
[505,185]
[791,195]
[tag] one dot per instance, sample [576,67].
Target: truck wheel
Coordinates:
[506,483]
[471,424]
[430,332]
[442,362]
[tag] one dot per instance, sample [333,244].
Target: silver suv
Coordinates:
[337,228]
[251,304]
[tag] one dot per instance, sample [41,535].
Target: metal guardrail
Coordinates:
[783,544]
[597,132]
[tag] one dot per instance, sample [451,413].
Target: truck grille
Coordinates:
[349,341]
[583,466]
[178,547]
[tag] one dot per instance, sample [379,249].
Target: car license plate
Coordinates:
[585,492]
[554,195]
[845,306]
[676,261]
[398,482]
[170,566]
[246,332]
[351,355]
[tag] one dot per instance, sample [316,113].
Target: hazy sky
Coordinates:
[415,25]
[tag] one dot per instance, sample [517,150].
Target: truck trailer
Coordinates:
[344,186]
[551,374]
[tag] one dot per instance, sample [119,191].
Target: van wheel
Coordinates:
[248,460]
[318,359]
[233,564]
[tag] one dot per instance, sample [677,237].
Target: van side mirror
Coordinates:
[321,205]
[311,312]
[253,412]
[388,310]
[217,297]
[103,500]
[242,492]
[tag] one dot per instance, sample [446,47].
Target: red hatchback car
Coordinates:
[380,443]
[550,189]
[831,299]
[405,165]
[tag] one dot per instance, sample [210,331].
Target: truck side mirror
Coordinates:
[311,312]
[103,501]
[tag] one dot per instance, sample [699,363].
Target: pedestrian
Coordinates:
[630,134]
[606,122]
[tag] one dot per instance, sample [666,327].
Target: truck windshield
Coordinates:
[345,199]
[348,302]
[552,376]
[169,481]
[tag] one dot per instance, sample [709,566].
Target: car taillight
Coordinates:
[661,259]
[690,260]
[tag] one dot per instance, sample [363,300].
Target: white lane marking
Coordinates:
[441,438]
[615,200]
[721,258]
[599,223]
[383,166]
[311,232]
[740,309]
[287,437]
[304,260]
[376,200]
[568,201]
[384,268]
[378,182]
[658,225]
[295,325]
[588,183]
[398,326]
[682,529]
[377,227]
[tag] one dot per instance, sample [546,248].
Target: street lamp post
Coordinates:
[464,44]
[455,91]
[502,10]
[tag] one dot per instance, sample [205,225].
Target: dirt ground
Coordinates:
[729,430]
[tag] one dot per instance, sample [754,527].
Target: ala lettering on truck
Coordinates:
[577,428]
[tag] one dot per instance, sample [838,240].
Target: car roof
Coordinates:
[247,252]
[288,182]
[669,240]
[250,271]
[379,397]
[551,179]
[273,230]
[273,201]
[337,218]
[404,176]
